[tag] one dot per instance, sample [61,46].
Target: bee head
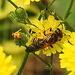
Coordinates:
[58,32]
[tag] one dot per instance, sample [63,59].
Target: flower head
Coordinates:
[6,67]
[26,2]
[45,28]
[68,57]
[17,34]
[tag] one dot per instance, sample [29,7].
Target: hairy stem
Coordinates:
[13,4]
[23,64]
[51,3]
[42,60]
[69,9]
[51,63]
[29,22]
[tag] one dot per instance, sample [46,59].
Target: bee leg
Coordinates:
[51,46]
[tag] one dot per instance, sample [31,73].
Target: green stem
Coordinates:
[51,63]
[50,4]
[43,11]
[13,4]
[68,27]
[30,23]
[40,17]
[69,9]
[23,64]
[43,14]
[42,59]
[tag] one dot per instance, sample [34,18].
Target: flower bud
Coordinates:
[17,34]
[22,41]
[13,16]
[21,13]
[20,38]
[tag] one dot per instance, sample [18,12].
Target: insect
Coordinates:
[48,40]
[17,34]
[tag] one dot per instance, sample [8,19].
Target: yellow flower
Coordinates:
[6,67]
[45,26]
[68,57]
[26,2]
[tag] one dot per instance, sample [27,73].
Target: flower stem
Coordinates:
[50,4]
[42,60]
[40,17]
[43,11]
[68,27]
[13,4]
[23,64]
[69,9]
[30,23]
[51,63]
[43,14]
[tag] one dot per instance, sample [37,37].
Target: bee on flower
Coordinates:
[46,41]
[49,36]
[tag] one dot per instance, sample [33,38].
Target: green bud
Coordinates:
[13,16]
[21,13]
[21,41]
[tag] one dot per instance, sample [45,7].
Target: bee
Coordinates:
[17,34]
[48,40]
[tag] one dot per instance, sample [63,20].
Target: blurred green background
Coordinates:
[7,27]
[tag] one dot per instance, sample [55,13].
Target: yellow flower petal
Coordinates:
[48,52]
[26,2]
[33,28]
[38,52]
[14,0]
[68,56]
[38,24]
[6,66]
[35,0]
